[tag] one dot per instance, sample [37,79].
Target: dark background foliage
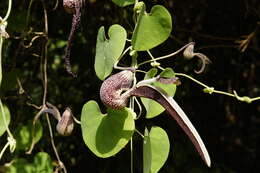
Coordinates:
[229,128]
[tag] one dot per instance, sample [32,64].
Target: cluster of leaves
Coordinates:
[106,134]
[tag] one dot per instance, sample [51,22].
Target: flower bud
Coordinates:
[188,52]
[66,124]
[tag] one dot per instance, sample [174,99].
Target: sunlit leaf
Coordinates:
[108,50]
[7,118]
[106,134]
[156,147]
[123,3]
[153,108]
[23,135]
[43,163]
[152,28]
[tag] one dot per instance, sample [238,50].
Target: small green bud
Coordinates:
[138,7]
[133,53]
[208,90]
[155,64]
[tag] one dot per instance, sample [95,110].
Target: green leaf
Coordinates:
[21,165]
[42,163]
[108,50]
[152,28]
[106,134]
[7,118]
[23,135]
[156,147]
[123,3]
[153,108]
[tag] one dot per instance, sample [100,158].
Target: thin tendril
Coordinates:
[122,68]
[53,145]
[1,46]
[132,157]
[11,141]
[3,150]
[139,106]
[8,11]
[137,131]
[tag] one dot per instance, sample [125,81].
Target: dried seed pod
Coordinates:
[171,106]
[66,124]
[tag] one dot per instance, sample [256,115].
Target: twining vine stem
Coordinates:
[8,10]
[165,56]
[206,89]
[10,139]
[46,85]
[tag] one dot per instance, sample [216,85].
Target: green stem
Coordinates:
[137,131]
[211,90]
[132,157]
[125,51]
[28,13]
[165,56]
[191,78]
[1,105]
[224,93]
[8,11]
[254,99]
[1,46]
[3,150]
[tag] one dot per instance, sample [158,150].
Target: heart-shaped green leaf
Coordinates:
[23,135]
[7,118]
[108,50]
[106,135]
[123,3]
[153,108]
[152,28]
[156,147]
